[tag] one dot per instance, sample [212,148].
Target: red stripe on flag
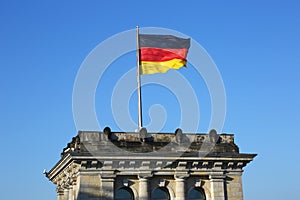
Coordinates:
[158,54]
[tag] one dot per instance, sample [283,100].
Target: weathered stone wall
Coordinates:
[89,186]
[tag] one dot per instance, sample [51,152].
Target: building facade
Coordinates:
[114,165]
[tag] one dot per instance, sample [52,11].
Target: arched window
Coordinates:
[196,194]
[124,193]
[160,193]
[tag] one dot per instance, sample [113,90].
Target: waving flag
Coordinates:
[159,53]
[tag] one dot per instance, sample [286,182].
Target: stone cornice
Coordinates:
[233,157]
[151,163]
[60,165]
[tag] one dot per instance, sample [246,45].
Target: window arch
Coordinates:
[124,193]
[196,194]
[160,193]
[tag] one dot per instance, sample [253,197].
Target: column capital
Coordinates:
[66,186]
[145,176]
[107,179]
[217,176]
[181,176]
[107,175]
[59,190]
[237,173]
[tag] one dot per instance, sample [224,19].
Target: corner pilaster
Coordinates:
[217,186]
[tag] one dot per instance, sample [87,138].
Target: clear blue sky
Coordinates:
[255,44]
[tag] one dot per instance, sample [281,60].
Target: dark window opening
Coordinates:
[124,193]
[196,194]
[160,193]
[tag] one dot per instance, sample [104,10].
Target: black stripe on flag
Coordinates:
[163,41]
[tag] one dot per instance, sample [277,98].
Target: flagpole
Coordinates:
[140,121]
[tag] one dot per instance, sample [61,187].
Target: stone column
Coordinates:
[143,188]
[217,186]
[60,193]
[180,188]
[107,187]
[71,193]
[66,193]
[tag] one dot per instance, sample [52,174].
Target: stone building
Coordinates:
[117,165]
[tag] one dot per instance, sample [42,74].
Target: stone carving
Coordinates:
[106,134]
[213,136]
[72,146]
[178,135]
[144,136]
[199,139]
[110,136]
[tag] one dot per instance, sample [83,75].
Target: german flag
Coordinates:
[159,53]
